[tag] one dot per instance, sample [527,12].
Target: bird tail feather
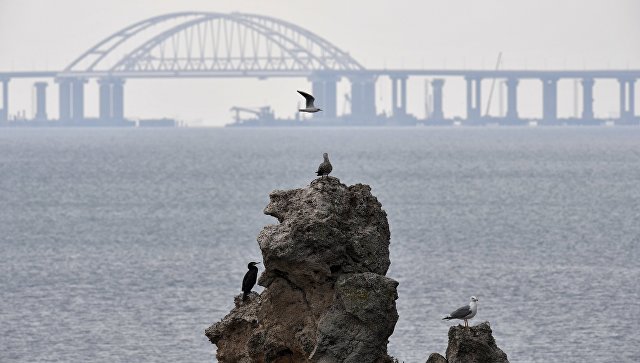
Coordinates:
[447,318]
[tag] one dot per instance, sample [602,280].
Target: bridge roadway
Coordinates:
[467,73]
[71,84]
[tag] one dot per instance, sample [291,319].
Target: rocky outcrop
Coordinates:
[471,345]
[326,297]
[436,358]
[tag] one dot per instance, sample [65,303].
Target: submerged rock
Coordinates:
[326,297]
[473,345]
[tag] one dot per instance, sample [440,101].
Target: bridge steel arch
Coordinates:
[205,44]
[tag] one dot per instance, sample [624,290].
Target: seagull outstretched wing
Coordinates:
[309,98]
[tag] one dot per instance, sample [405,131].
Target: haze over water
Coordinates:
[120,245]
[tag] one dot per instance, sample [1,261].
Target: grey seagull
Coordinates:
[325,167]
[466,312]
[310,107]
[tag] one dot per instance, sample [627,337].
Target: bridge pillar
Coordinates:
[399,104]
[41,100]
[627,98]
[64,99]
[4,111]
[331,98]
[363,97]
[111,97]
[632,98]
[403,95]
[357,96]
[317,89]
[474,98]
[587,98]
[117,99]
[77,99]
[512,98]
[549,99]
[394,96]
[437,85]
[324,87]
[104,109]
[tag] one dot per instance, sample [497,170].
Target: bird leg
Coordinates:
[466,325]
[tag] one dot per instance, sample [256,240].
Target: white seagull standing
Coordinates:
[310,107]
[466,312]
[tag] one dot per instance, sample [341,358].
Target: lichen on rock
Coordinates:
[326,297]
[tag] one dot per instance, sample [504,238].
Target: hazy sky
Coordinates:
[534,34]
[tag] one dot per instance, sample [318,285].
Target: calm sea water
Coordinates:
[123,245]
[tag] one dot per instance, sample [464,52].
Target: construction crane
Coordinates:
[261,113]
[347,103]
[493,83]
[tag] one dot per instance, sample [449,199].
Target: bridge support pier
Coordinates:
[399,106]
[117,97]
[4,111]
[587,98]
[324,89]
[437,85]
[104,108]
[627,98]
[512,98]
[77,99]
[111,99]
[549,99]
[317,88]
[64,99]
[363,97]
[71,98]
[394,96]
[403,95]
[41,100]
[474,98]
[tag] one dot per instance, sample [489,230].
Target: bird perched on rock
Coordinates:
[325,167]
[466,312]
[309,107]
[249,280]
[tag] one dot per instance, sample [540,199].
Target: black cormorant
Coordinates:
[249,280]
[324,168]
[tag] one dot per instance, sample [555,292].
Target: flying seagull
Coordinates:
[325,167]
[310,107]
[465,313]
[249,279]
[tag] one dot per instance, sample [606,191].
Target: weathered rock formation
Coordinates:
[436,358]
[471,345]
[326,297]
